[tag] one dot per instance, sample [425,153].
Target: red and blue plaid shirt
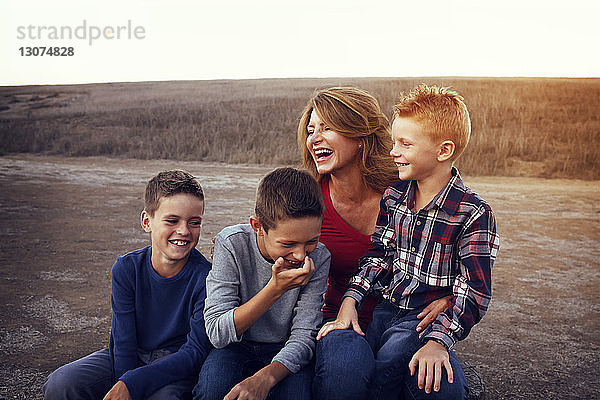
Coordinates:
[447,248]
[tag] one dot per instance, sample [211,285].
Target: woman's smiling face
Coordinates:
[331,151]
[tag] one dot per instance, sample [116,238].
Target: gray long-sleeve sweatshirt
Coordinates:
[239,272]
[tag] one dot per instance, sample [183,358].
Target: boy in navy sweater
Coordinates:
[157,342]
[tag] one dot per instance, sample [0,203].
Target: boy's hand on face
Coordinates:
[347,318]
[285,278]
[431,358]
[118,392]
[430,313]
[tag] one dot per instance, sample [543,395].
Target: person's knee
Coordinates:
[56,385]
[61,385]
[344,366]
[339,349]
[448,391]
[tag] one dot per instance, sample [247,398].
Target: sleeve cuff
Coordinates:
[358,289]
[233,337]
[292,367]
[129,380]
[442,338]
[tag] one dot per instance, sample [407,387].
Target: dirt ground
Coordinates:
[65,220]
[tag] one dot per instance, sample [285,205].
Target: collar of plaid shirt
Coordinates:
[448,199]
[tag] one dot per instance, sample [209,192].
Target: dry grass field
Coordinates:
[521,126]
[66,219]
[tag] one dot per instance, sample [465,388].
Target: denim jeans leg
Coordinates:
[221,371]
[448,391]
[344,366]
[178,390]
[395,339]
[90,377]
[295,387]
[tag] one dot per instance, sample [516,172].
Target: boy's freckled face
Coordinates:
[174,228]
[415,155]
[293,239]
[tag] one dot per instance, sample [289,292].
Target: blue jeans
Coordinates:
[344,366]
[349,366]
[224,368]
[91,377]
[393,337]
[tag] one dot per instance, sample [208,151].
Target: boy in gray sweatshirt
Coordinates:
[264,295]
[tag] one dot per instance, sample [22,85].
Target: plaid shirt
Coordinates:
[447,248]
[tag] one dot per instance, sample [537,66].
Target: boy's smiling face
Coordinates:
[175,230]
[415,155]
[293,239]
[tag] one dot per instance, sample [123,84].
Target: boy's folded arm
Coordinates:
[123,338]
[472,288]
[282,280]
[187,361]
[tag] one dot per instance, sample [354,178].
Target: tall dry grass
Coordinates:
[521,126]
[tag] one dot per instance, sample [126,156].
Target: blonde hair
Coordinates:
[440,111]
[356,114]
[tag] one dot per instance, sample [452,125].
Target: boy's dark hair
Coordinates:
[287,193]
[168,183]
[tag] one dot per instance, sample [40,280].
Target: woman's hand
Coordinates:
[430,313]
[347,318]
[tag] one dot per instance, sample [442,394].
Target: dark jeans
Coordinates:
[349,366]
[91,378]
[224,368]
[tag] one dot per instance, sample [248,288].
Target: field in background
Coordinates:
[521,126]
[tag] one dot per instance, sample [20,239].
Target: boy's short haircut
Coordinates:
[440,111]
[287,193]
[168,183]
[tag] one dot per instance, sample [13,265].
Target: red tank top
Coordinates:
[346,246]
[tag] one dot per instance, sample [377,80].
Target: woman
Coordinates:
[345,142]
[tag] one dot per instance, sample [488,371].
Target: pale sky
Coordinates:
[234,39]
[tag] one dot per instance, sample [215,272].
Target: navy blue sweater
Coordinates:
[151,313]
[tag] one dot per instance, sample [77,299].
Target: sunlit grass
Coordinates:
[521,126]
